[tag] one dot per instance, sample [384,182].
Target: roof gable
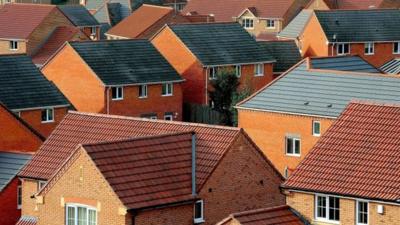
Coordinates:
[296,27]
[10,165]
[78,15]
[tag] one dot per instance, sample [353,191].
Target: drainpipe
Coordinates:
[193,163]
[108,100]
[207,78]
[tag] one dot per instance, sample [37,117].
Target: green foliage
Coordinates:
[236,98]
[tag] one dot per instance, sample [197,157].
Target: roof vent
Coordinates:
[306,103]
[337,22]
[329,106]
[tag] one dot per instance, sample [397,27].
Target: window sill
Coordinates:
[369,53]
[258,75]
[142,97]
[198,221]
[271,28]
[50,121]
[248,28]
[14,50]
[167,95]
[117,99]
[294,155]
[316,135]
[323,222]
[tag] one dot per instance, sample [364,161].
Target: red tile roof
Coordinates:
[147,171]
[27,220]
[77,128]
[280,215]
[18,21]
[225,10]
[359,155]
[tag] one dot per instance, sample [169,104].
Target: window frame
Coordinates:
[238,70]
[269,22]
[200,219]
[141,91]
[313,128]
[327,208]
[398,47]
[14,45]
[40,184]
[117,97]
[93,29]
[212,73]
[358,211]
[169,91]
[75,206]
[341,46]
[169,115]
[258,73]
[48,120]
[369,46]
[246,22]
[19,196]
[294,146]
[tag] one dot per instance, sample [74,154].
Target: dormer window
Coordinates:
[248,23]
[270,24]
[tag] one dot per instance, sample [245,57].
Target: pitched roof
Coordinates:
[226,10]
[147,171]
[125,62]
[295,28]
[18,21]
[358,156]
[391,67]
[286,53]
[23,86]
[76,128]
[10,165]
[78,15]
[360,25]
[354,4]
[220,43]
[27,220]
[343,63]
[322,93]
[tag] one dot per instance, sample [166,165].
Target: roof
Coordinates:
[226,10]
[391,67]
[147,171]
[125,62]
[286,53]
[27,220]
[10,165]
[18,21]
[77,128]
[23,86]
[353,4]
[295,28]
[323,93]
[344,63]
[220,43]
[278,215]
[359,155]
[78,15]
[360,25]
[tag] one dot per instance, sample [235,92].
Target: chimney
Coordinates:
[193,163]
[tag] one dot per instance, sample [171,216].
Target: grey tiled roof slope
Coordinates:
[78,15]
[220,43]
[343,63]
[10,165]
[322,93]
[23,86]
[360,25]
[296,26]
[126,62]
[285,53]
[392,67]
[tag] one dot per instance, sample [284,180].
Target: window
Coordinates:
[212,73]
[198,211]
[248,23]
[396,48]
[286,172]
[362,212]
[369,48]
[293,146]
[316,128]
[117,93]
[327,208]
[259,69]
[40,185]
[143,91]
[47,115]
[93,30]
[168,116]
[343,49]
[167,89]
[14,45]
[19,197]
[271,24]
[80,215]
[238,70]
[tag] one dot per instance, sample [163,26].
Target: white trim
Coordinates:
[369,44]
[201,219]
[146,90]
[357,211]
[117,98]
[168,92]
[283,112]
[47,115]
[327,205]
[293,146]
[75,207]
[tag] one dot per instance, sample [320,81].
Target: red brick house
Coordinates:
[122,77]
[118,177]
[198,51]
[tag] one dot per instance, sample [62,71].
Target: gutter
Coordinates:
[193,163]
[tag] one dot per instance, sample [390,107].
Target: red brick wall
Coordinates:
[313,40]
[177,215]
[9,214]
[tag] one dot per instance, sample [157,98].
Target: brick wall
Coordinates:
[177,215]
[318,5]
[5,47]
[313,40]
[9,214]
[29,188]
[260,25]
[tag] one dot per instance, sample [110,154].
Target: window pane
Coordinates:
[297,146]
[362,214]
[114,92]
[317,128]
[92,217]
[50,114]
[44,115]
[289,145]
[198,210]
[346,48]
[70,215]
[82,216]
[321,207]
[334,208]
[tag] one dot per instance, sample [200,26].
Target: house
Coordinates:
[288,116]
[25,27]
[198,51]
[177,5]
[256,16]
[200,167]
[27,93]
[351,176]
[278,215]
[344,32]
[352,4]
[123,77]
[53,2]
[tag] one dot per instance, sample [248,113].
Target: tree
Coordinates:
[236,98]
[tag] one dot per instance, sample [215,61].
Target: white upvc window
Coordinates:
[168,116]
[40,184]
[143,91]
[47,115]
[167,89]
[117,93]
[362,214]
[19,197]
[248,23]
[14,45]
[259,69]
[369,48]
[343,48]
[293,146]
[238,70]
[270,24]
[212,73]
[396,48]
[77,214]
[199,211]
[327,208]
[316,128]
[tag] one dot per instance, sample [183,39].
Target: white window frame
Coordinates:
[398,47]
[14,45]
[294,146]
[258,69]
[200,219]
[144,86]
[325,219]
[270,22]
[169,91]
[48,119]
[75,206]
[93,31]
[212,73]
[169,115]
[370,47]
[358,211]
[117,96]
[246,23]
[153,117]
[313,128]
[41,184]
[238,70]
[341,46]
[19,197]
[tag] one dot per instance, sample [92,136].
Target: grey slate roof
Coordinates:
[343,63]
[126,62]
[295,28]
[392,67]
[360,25]
[322,93]
[10,165]
[106,10]
[286,53]
[78,15]
[220,43]
[23,86]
